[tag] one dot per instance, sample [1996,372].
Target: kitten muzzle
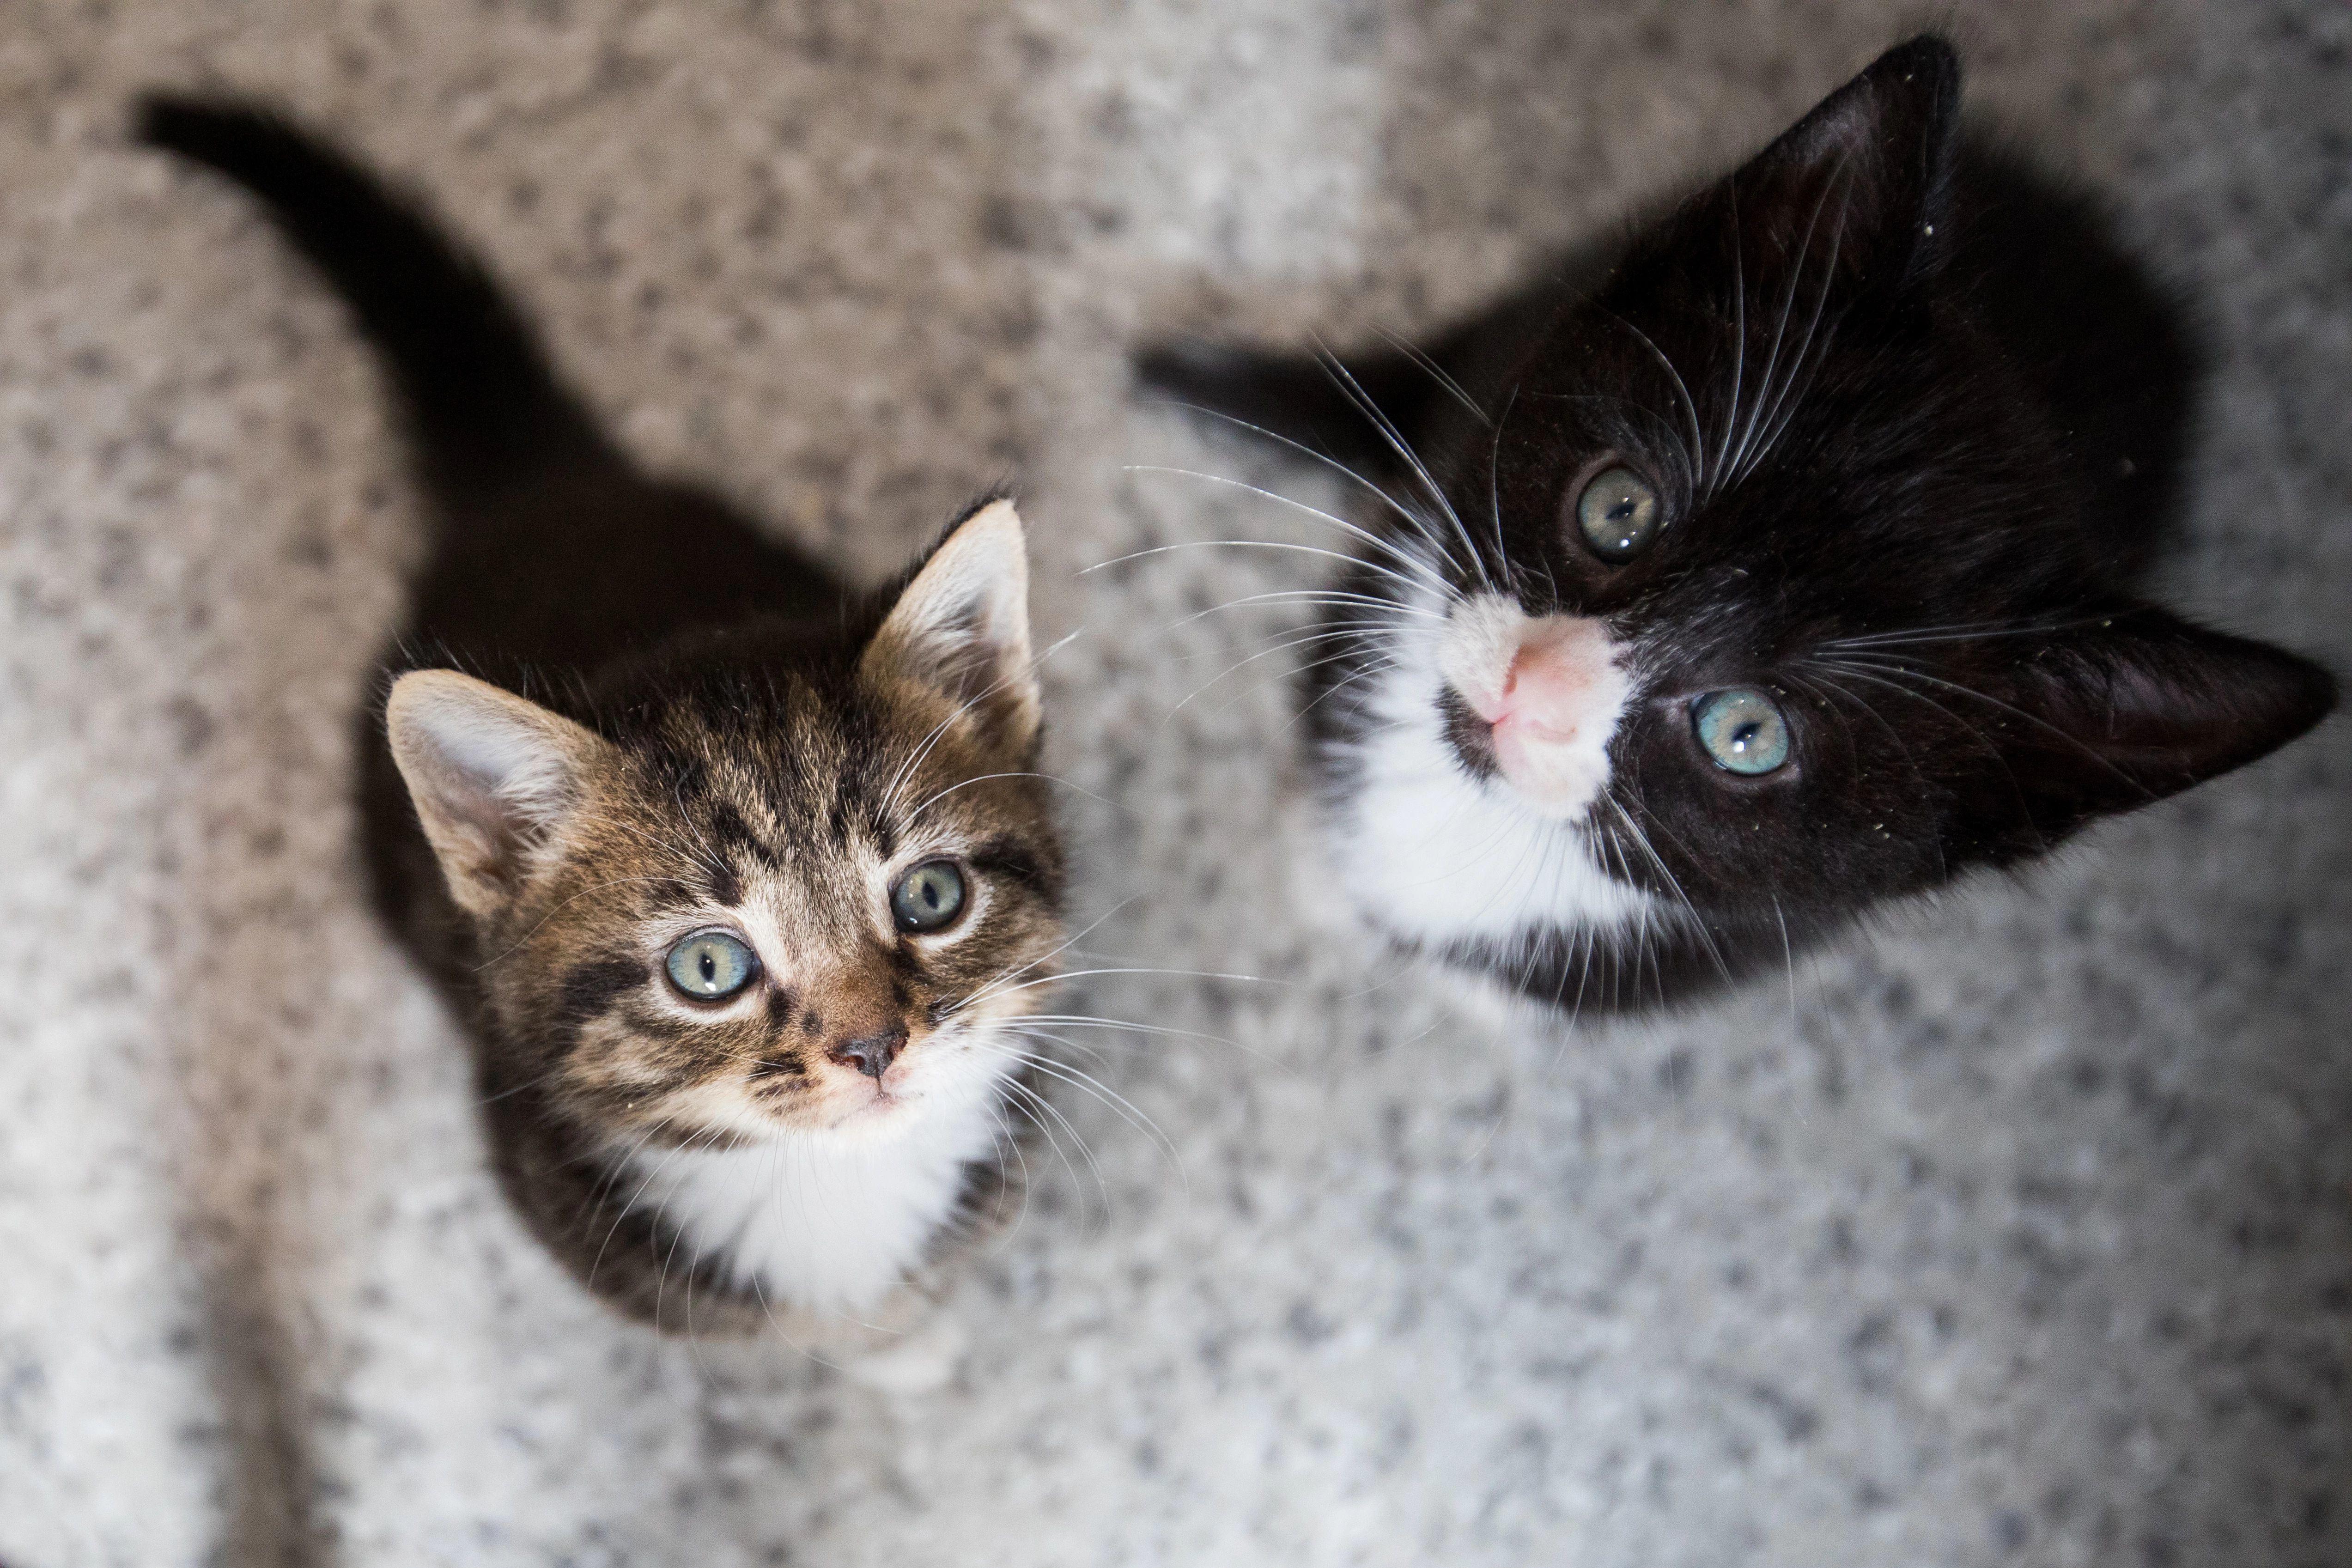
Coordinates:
[1549,689]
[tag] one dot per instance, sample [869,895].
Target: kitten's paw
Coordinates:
[922,1360]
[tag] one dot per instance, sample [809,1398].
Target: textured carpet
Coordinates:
[2017,1232]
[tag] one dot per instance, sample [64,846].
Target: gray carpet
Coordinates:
[2017,1232]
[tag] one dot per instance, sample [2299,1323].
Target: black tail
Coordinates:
[486,408]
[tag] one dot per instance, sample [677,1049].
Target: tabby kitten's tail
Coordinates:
[485,407]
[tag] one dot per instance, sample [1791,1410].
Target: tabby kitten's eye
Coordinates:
[929,897]
[1617,514]
[711,966]
[1742,730]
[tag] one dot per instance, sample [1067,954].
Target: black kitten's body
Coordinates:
[717,733]
[1912,428]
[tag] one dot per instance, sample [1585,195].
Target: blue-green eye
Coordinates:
[1742,730]
[1618,514]
[711,966]
[929,897]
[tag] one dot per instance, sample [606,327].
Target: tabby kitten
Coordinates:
[1780,562]
[742,881]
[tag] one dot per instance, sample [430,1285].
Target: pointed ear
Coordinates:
[2144,705]
[1861,180]
[493,777]
[961,625]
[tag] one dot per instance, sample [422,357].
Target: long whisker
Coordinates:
[1397,555]
[1673,884]
[1419,522]
[1088,1083]
[1082,974]
[1394,439]
[1855,664]
[1312,596]
[1682,390]
[1738,330]
[1764,394]
[1438,373]
[1327,632]
[983,778]
[1777,422]
[1043,1107]
[988,987]
[1354,561]
[1980,631]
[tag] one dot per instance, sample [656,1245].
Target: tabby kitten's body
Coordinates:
[740,879]
[1781,562]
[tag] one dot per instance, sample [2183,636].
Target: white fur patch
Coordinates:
[830,1220]
[1435,855]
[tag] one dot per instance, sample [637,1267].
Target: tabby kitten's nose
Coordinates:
[873,1055]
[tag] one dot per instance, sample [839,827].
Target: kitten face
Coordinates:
[789,840]
[1764,588]
[783,891]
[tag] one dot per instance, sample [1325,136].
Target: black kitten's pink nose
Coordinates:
[873,1055]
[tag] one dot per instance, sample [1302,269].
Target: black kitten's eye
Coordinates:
[1617,514]
[929,897]
[1742,730]
[710,966]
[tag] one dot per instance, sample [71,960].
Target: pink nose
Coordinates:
[1551,683]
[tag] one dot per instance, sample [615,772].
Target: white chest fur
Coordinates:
[826,1221]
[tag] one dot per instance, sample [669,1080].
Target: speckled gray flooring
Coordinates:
[2019,1233]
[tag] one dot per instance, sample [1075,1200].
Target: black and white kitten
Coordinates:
[1782,562]
[741,880]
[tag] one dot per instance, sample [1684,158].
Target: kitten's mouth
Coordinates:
[877,1103]
[1535,700]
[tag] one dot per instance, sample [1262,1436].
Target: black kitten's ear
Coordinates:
[1862,178]
[961,626]
[493,777]
[2144,705]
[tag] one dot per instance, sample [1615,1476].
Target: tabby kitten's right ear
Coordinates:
[961,625]
[493,776]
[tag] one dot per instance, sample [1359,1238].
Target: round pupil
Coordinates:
[1617,513]
[929,897]
[1742,730]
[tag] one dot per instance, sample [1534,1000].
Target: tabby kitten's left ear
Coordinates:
[961,625]
[494,777]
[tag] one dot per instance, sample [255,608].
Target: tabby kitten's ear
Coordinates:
[1860,182]
[2140,706]
[961,625]
[493,776]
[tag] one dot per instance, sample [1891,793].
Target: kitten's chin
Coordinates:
[1553,779]
[880,1113]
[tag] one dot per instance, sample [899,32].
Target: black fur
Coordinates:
[1891,383]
